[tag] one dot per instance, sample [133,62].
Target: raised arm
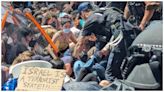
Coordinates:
[126,12]
[54,39]
[148,13]
[73,38]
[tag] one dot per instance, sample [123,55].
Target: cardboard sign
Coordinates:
[35,78]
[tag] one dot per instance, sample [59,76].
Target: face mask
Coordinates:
[66,30]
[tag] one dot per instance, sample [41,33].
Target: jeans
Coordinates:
[77,66]
[99,70]
[87,73]
[95,59]
[86,68]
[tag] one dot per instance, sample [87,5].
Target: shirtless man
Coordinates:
[62,40]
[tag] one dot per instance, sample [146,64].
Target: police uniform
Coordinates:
[137,10]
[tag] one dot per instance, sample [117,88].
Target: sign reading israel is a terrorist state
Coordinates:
[35,78]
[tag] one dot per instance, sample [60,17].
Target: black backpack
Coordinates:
[142,69]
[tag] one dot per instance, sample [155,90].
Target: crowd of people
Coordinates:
[79,33]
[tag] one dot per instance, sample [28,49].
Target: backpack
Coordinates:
[145,59]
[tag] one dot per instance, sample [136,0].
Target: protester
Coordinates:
[62,40]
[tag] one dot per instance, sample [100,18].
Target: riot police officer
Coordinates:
[142,12]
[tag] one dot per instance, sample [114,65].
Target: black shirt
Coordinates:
[94,24]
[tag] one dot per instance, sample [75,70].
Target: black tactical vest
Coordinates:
[137,10]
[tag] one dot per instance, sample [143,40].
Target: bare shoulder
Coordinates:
[58,33]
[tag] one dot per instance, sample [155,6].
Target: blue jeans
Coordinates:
[77,66]
[95,59]
[87,67]
[92,66]
[100,69]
